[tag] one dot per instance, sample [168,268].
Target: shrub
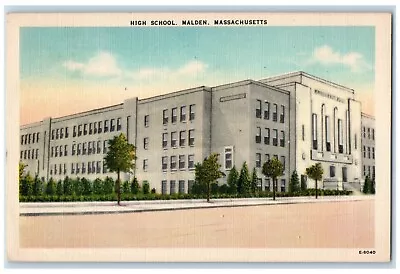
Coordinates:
[51,187]
[37,186]
[135,186]
[77,186]
[146,187]
[60,188]
[68,186]
[294,182]
[214,188]
[108,185]
[153,190]
[126,187]
[26,185]
[223,189]
[86,186]
[98,186]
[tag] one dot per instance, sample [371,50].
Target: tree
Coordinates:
[126,187]
[244,180]
[135,186]
[232,180]
[303,183]
[86,186]
[315,172]
[26,185]
[369,186]
[294,182]
[22,167]
[68,186]
[119,158]
[37,186]
[60,188]
[98,186]
[146,188]
[253,182]
[51,187]
[208,172]
[273,169]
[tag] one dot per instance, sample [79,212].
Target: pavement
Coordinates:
[85,208]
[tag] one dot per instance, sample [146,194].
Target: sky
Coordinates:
[64,70]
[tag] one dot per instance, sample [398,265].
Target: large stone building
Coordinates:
[298,118]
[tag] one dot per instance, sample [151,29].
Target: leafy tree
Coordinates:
[37,186]
[98,186]
[108,185]
[26,185]
[51,187]
[120,158]
[60,188]
[146,187]
[273,169]
[77,186]
[68,186]
[232,180]
[208,172]
[244,180]
[126,187]
[303,182]
[315,172]
[22,167]
[294,182]
[86,186]
[135,186]
[253,182]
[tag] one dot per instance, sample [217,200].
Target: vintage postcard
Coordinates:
[199,137]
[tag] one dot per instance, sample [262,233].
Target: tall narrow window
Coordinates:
[105,146]
[164,187]
[302,132]
[84,148]
[105,126]
[165,116]
[275,113]
[89,148]
[183,114]
[282,139]
[174,142]
[145,164]
[327,134]
[98,147]
[355,141]
[275,138]
[373,134]
[364,152]
[182,161]
[191,137]
[90,128]
[340,135]
[172,187]
[332,171]
[164,163]
[314,131]
[369,133]
[191,161]
[146,120]
[283,161]
[100,127]
[373,152]
[173,162]
[22,139]
[66,133]
[258,160]
[228,157]
[182,138]
[74,131]
[52,135]
[65,150]
[61,133]
[146,143]
[267,136]
[85,130]
[165,140]
[258,109]
[267,157]
[364,132]
[94,127]
[282,117]
[266,111]
[61,151]
[369,152]
[119,126]
[56,152]
[258,135]
[174,116]
[192,109]
[73,149]
[112,125]
[57,135]
[181,186]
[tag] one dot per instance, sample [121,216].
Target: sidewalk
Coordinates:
[83,208]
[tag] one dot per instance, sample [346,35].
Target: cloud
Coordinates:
[327,56]
[102,65]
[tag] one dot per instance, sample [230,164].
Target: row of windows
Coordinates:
[93,167]
[369,132]
[174,139]
[175,162]
[268,184]
[182,186]
[29,154]
[174,115]
[369,171]
[59,133]
[326,133]
[267,111]
[267,158]
[85,148]
[30,138]
[369,152]
[267,137]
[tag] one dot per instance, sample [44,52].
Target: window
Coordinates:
[29,154]
[84,148]
[172,187]
[145,164]
[364,170]
[373,134]
[55,169]
[105,146]
[191,161]
[283,185]
[364,132]
[94,127]
[266,111]
[74,131]
[73,149]
[164,140]
[283,161]
[61,133]
[327,134]
[65,150]
[173,162]
[104,167]
[105,126]
[100,127]
[267,186]
[112,125]
[174,116]
[181,161]
[21,154]
[83,168]
[364,152]
[72,168]
[275,113]
[33,137]
[183,113]
[191,137]
[26,139]
[190,185]
[164,163]
[25,154]
[258,159]
[165,116]
[275,138]
[52,136]
[355,141]
[258,135]
[61,152]
[146,120]
[228,157]
[22,139]
[146,143]
[340,135]
[373,153]
[98,146]
[373,172]
[192,109]
[119,126]
[37,154]
[89,166]
[276,156]
[90,128]
[182,138]
[164,187]
[258,109]
[98,167]
[89,148]
[332,171]
[57,135]
[66,133]
[267,157]
[56,152]
[369,133]
[77,168]
[282,140]
[79,130]
[181,186]
[85,131]
[52,152]
[282,116]
[267,136]
[314,131]
[369,152]
[174,139]
[302,132]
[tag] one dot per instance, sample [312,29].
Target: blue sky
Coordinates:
[63,64]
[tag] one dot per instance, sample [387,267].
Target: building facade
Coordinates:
[298,118]
[368,145]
